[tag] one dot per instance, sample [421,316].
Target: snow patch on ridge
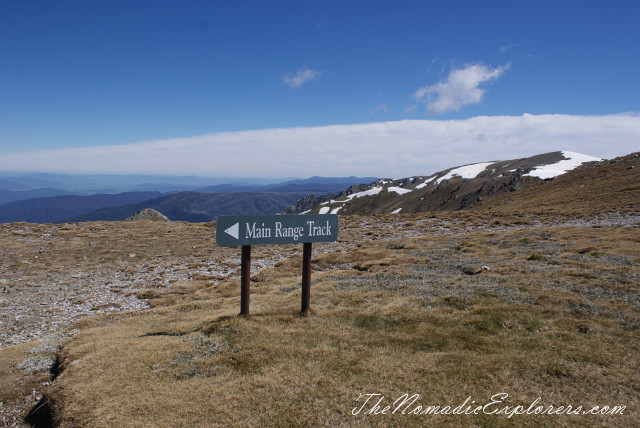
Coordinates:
[370,192]
[398,190]
[429,180]
[573,161]
[466,172]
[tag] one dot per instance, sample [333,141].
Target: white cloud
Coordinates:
[504,49]
[382,107]
[302,76]
[462,87]
[386,149]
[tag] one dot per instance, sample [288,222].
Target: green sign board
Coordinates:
[276,229]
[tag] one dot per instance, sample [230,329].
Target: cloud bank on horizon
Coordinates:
[383,149]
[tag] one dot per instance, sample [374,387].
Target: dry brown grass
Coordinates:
[391,316]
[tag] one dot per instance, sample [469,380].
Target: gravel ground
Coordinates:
[38,298]
[45,285]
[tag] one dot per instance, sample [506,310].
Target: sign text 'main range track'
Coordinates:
[276,229]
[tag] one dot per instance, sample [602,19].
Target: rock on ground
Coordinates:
[148,214]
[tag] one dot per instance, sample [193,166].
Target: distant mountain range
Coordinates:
[59,208]
[198,207]
[206,203]
[310,185]
[94,184]
[20,195]
[110,184]
[452,189]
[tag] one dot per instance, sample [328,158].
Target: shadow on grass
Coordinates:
[40,415]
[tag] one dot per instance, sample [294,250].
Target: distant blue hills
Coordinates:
[58,198]
[93,184]
[57,209]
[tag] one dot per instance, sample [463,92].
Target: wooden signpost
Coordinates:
[246,231]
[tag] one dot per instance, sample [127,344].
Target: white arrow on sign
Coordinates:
[233,230]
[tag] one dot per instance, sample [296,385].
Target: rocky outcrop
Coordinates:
[148,214]
[308,202]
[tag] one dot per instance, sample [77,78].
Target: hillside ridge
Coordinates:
[452,189]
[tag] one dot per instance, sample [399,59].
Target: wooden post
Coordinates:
[245,279]
[306,278]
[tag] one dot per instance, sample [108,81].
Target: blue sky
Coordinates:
[88,81]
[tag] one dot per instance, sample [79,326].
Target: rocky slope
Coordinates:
[592,189]
[449,190]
